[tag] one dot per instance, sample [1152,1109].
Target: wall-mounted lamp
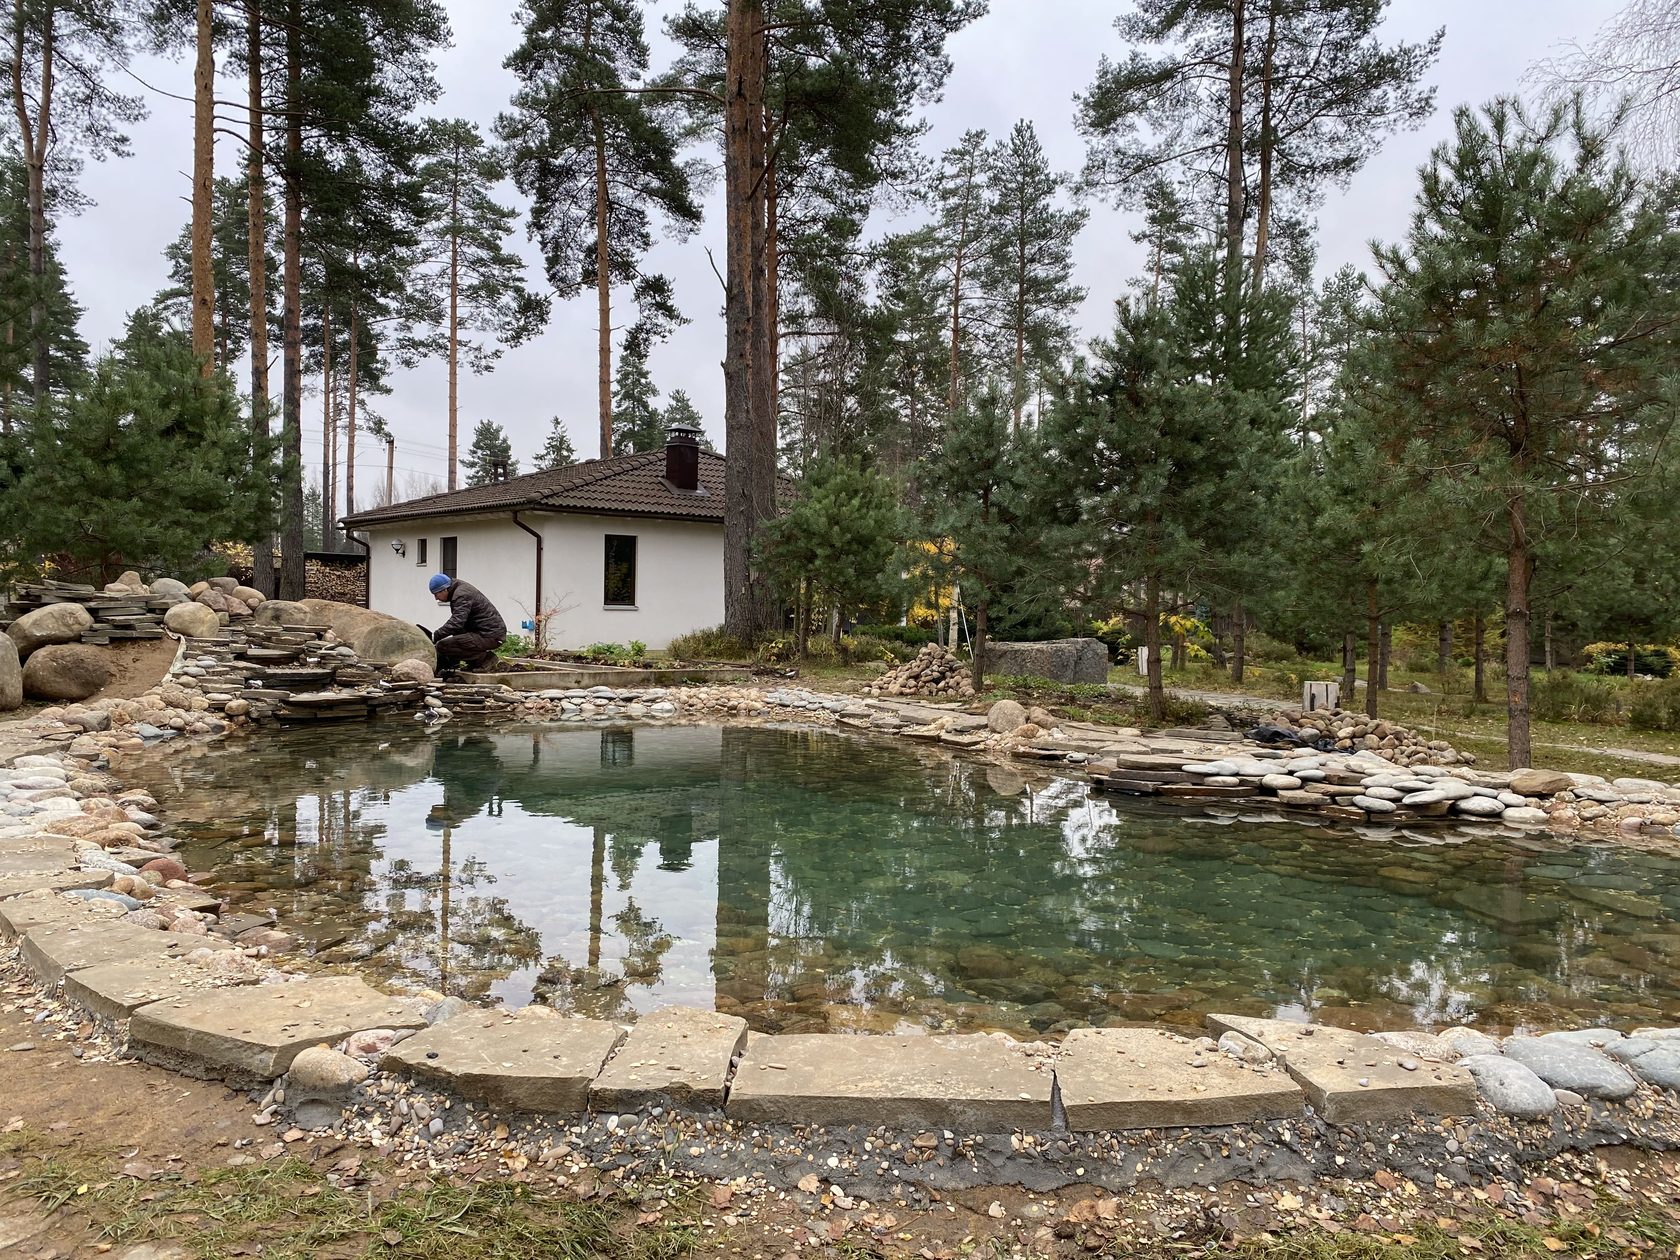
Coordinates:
[400,547]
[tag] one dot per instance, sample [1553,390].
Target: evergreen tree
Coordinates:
[680,410]
[67,351]
[1526,341]
[490,448]
[1027,267]
[963,225]
[230,270]
[637,423]
[838,543]
[557,451]
[145,466]
[477,284]
[597,159]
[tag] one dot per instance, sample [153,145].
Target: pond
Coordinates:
[816,881]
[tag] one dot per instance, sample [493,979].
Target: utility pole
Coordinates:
[390,470]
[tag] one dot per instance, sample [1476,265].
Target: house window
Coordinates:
[620,587]
[446,546]
[420,546]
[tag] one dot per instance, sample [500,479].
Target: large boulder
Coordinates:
[1005,716]
[1060,660]
[389,641]
[248,595]
[65,671]
[226,585]
[1526,782]
[192,621]
[11,675]
[56,623]
[345,620]
[285,612]
[412,670]
[169,586]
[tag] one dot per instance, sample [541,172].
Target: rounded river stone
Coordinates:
[1565,1065]
[1510,1088]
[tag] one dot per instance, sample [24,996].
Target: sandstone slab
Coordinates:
[116,990]
[1352,1078]
[38,909]
[1062,660]
[675,1055]
[1145,1078]
[970,1083]
[54,949]
[251,1035]
[64,880]
[530,1060]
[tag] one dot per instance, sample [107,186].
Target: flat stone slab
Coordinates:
[531,1060]
[1351,1078]
[1146,1078]
[678,1054]
[37,909]
[1572,1065]
[52,881]
[44,852]
[53,949]
[970,1083]
[116,990]
[252,1034]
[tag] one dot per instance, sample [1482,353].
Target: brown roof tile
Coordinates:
[629,484]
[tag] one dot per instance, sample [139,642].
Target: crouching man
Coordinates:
[469,639]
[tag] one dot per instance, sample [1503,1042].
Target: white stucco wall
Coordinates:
[679,574]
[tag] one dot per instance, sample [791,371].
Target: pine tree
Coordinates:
[839,542]
[147,428]
[598,160]
[637,423]
[230,270]
[963,226]
[1026,269]
[67,351]
[557,451]
[478,284]
[490,449]
[681,411]
[1523,362]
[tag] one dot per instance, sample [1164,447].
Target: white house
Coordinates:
[606,551]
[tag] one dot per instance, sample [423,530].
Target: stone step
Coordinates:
[116,990]
[1146,1078]
[1352,1078]
[529,1060]
[676,1055]
[249,1036]
[53,949]
[970,1083]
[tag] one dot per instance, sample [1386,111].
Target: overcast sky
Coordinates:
[1025,59]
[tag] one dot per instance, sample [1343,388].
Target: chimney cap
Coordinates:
[682,432]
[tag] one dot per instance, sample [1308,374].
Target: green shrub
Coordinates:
[1656,706]
[709,645]
[1565,696]
[1262,649]
[1651,659]
[515,645]
[914,636]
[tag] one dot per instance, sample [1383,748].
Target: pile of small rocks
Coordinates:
[1337,729]
[933,671]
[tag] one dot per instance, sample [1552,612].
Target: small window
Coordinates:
[621,571]
[421,548]
[446,546]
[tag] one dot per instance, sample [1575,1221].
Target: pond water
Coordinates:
[818,881]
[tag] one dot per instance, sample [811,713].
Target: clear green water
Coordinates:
[813,881]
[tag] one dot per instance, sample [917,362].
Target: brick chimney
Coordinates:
[682,457]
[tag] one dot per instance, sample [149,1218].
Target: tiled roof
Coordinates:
[630,484]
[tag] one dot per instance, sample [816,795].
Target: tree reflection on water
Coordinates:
[809,880]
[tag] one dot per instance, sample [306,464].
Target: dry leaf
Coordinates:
[1557,1244]
[721,1195]
[1289,1201]
[810,1183]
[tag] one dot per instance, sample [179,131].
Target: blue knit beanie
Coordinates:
[437,582]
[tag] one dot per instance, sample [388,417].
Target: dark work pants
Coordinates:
[465,649]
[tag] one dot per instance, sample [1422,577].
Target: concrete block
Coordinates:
[530,1060]
[1146,1078]
[677,1055]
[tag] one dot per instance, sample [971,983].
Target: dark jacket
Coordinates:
[471,613]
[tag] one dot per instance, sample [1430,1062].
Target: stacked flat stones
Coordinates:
[1353,732]
[290,673]
[932,672]
[575,704]
[117,613]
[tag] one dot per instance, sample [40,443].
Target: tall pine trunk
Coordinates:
[603,291]
[1519,575]
[1263,204]
[454,319]
[1443,648]
[256,250]
[1234,152]
[291,332]
[1383,657]
[204,168]
[329,433]
[1152,645]
[1350,668]
[1239,641]
[1479,632]
[1373,648]
[749,421]
[35,135]
[350,417]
